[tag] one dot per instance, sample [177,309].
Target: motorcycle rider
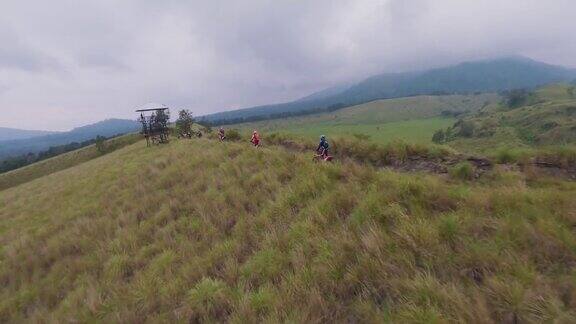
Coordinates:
[255,138]
[323,146]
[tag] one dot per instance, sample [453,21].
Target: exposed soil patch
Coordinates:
[441,165]
[554,170]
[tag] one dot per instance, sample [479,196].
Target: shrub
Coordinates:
[462,171]
[517,98]
[510,155]
[467,128]
[101,144]
[184,122]
[439,136]
[233,135]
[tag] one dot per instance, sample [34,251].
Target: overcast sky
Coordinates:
[66,63]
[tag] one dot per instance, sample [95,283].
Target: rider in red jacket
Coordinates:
[255,138]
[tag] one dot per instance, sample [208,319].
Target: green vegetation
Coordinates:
[184,123]
[465,78]
[415,131]
[200,231]
[15,162]
[524,120]
[462,171]
[233,135]
[101,144]
[412,119]
[64,161]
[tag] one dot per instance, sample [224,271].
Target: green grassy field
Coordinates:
[201,231]
[413,131]
[412,119]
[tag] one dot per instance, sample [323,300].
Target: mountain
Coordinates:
[326,93]
[105,128]
[479,76]
[7,134]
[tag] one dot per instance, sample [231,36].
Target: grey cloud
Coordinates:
[101,58]
[98,59]
[15,54]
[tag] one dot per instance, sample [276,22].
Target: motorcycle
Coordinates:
[321,157]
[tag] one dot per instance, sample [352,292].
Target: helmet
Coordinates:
[322,137]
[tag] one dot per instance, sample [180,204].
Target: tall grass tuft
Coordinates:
[462,171]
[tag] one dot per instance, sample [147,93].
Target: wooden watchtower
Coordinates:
[155,125]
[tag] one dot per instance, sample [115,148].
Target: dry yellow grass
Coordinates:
[200,231]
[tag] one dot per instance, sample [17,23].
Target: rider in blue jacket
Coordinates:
[323,146]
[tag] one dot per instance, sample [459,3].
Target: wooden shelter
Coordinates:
[155,125]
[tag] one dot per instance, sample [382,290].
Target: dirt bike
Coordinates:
[320,157]
[190,134]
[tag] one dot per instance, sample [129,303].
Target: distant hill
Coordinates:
[469,77]
[7,134]
[106,128]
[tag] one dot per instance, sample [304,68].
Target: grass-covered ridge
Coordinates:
[63,161]
[544,117]
[199,230]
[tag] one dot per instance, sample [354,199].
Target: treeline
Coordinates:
[285,114]
[518,98]
[12,163]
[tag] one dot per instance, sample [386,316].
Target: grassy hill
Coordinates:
[413,119]
[546,116]
[200,231]
[63,161]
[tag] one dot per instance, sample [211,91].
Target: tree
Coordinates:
[572,91]
[233,135]
[101,144]
[439,136]
[184,123]
[517,98]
